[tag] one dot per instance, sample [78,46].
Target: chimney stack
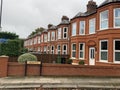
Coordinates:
[91,6]
[49,25]
[64,18]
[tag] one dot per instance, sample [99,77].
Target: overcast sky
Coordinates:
[24,16]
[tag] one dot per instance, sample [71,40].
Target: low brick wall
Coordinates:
[15,69]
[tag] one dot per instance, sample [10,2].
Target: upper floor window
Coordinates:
[39,40]
[104,20]
[82,28]
[45,37]
[74,29]
[59,33]
[42,38]
[48,36]
[117,17]
[81,50]
[117,51]
[92,26]
[64,49]
[73,50]
[53,36]
[65,31]
[104,50]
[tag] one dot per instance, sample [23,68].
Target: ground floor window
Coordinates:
[58,49]
[45,49]
[52,50]
[64,49]
[73,50]
[81,50]
[104,50]
[117,50]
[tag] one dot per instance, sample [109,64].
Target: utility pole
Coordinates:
[1,15]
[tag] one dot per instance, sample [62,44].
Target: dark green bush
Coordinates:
[81,62]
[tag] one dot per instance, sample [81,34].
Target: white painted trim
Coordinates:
[115,18]
[72,51]
[115,51]
[106,19]
[75,27]
[65,32]
[63,48]
[93,19]
[103,50]
[82,50]
[80,27]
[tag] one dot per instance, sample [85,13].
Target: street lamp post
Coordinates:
[1,15]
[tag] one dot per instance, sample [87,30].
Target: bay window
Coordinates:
[59,33]
[74,27]
[117,17]
[81,50]
[64,49]
[92,26]
[73,50]
[65,31]
[82,28]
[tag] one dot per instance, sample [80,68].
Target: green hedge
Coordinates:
[8,35]
[10,48]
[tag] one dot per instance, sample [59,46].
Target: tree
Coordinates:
[8,35]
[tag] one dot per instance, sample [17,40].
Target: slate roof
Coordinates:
[53,27]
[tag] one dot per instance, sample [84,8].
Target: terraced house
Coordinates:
[92,36]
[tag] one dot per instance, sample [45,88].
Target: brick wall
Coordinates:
[3,66]
[15,69]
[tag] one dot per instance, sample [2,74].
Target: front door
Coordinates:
[92,56]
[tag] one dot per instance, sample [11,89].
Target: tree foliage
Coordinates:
[8,35]
[37,30]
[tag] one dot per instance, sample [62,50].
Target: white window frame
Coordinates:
[45,49]
[48,36]
[42,38]
[65,32]
[92,24]
[116,18]
[73,51]
[52,50]
[58,49]
[115,51]
[82,51]
[103,51]
[64,50]
[104,20]
[53,35]
[81,28]
[59,33]
[45,37]
[74,24]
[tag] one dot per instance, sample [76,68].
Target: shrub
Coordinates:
[27,57]
[69,61]
[58,59]
[81,62]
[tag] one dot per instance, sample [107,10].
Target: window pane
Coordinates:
[92,26]
[65,29]
[81,46]
[104,15]
[104,24]
[117,22]
[73,29]
[81,54]
[74,47]
[117,45]
[73,54]
[117,56]
[103,55]
[64,47]
[104,45]
[117,12]
[82,27]
[59,33]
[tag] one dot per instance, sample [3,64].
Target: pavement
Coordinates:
[14,83]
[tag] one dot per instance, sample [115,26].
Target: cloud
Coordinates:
[23,16]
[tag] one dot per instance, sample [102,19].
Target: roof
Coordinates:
[108,1]
[64,22]
[53,27]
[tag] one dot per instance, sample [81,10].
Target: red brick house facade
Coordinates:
[92,36]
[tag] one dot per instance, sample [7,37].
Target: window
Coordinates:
[64,49]
[81,50]
[45,49]
[104,20]
[52,50]
[117,17]
[58,48]
[117,50]
[42,38]
[38,49]
[48,36]
[48,50]
[53,36]
[59,33]
[39,40]
[82,28]
[103,50]
[74,29]
[92,26]
[45,37]
[73,50]
[65,29]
